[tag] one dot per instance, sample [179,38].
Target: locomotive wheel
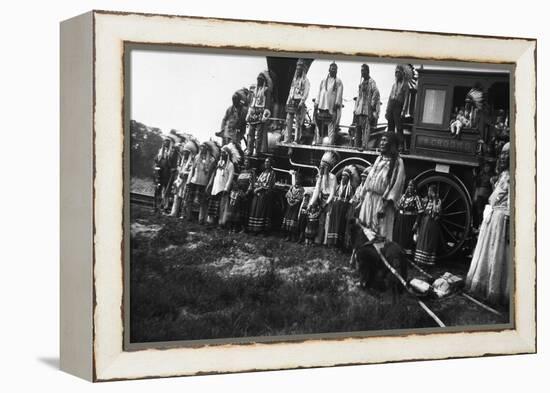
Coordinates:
[456,213]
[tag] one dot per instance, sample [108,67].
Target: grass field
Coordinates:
[189,283]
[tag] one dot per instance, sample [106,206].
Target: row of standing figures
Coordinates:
[213,188]
[252,109]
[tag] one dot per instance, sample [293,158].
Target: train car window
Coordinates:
[434,106]
[465,107]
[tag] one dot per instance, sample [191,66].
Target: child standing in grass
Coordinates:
[312,227]
[303,217]
[294,197]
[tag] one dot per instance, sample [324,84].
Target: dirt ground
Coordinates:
[188,282]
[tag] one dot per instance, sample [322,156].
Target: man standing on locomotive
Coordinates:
[367,107]
[234,121]
[296,102]
[383,188]
[398,94]
[328,106]
[258,114]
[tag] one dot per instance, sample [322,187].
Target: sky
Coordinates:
[190,91]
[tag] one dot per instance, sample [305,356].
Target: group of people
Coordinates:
[217,185]
[327,109]
[252,109]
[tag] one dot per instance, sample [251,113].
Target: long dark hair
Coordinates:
[393,152]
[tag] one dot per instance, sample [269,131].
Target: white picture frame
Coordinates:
[93,189]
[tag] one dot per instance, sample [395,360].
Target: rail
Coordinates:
[465,295]
[142,199]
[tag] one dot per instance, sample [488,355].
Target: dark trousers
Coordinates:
[362,131]
[393,114]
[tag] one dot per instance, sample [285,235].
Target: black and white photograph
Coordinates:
[277,196]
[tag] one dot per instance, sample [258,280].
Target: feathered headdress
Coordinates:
[353,174]
[176,137]
[476,97]
[232,152]
[406,70]
[213,148]
[192,146]
[170,137]
[330,157]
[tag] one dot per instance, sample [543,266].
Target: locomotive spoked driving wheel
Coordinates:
[456,212]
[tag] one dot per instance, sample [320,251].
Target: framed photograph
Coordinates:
[249,195]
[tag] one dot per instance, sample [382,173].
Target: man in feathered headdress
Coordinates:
[398,94]
[328,106]
[259,112]
[367,107]
[337,229]
[296,102]
[189,150]
[325,189]
[220,183]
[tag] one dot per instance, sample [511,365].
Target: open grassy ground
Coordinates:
[189,283]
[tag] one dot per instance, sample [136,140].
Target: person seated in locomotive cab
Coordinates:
[295,104]
[461,119]
[468,113]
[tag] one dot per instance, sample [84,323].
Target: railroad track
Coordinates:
[141,199]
